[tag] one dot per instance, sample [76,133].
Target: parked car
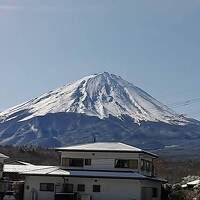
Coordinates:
[9,195]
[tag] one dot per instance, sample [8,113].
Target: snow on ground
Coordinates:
[98,95]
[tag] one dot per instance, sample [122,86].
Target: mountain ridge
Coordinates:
[99,95]
[103,106]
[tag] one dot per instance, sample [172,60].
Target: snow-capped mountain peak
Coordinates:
[98,95]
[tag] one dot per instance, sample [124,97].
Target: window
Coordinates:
[81,188]
[153,170]
[154,192]
[96,188]
[121,164]
[146,165]
[68,188]
[142,164]
[65,162]
[76,162]
[1,166]
[88,161]
[132,164]
[48,187]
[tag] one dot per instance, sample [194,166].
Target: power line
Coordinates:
[185,103]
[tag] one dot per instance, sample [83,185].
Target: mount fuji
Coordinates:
[103,106]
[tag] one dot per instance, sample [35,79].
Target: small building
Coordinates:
[2,159]
[3,184]
[96,171]
[191,184]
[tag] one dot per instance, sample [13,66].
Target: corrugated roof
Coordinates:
[82,173]
[107,174]
[26,168]
[39,170]
[91,174]
[17,162]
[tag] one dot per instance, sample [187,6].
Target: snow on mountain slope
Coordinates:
[98,95]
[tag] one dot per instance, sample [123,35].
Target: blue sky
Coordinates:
[154,44]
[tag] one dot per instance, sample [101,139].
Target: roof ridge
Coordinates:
[113,146]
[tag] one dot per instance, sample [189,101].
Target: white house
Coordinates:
[2,158]
[96,171]
[191,184]
[3,186]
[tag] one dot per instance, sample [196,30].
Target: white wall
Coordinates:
[100,160]
[150,184]
[99,155]
[33,183]
[1,170]
[106,160]
[102,164]
[112,189]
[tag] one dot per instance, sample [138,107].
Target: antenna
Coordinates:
[94,139]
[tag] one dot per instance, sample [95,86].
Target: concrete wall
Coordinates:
[112,189]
